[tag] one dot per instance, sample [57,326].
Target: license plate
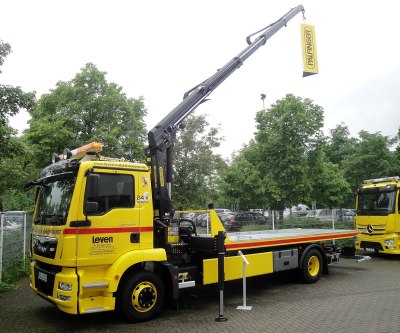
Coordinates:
[369,249]
[42,276]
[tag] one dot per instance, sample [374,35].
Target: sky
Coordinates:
[159,49]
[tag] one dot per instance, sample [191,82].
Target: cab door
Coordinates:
[110,216]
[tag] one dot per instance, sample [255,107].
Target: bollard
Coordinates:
[221,275]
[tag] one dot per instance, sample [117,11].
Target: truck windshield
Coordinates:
[376,202]
[54,198]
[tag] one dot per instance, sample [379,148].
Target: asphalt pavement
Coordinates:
[354,297]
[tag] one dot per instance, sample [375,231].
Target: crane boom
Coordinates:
[162,136]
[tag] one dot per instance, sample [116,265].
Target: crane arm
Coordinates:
[162,136]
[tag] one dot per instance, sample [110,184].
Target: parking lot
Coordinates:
[353,297]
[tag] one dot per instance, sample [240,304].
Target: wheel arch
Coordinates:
[167,272]
[131,261]
[320,249]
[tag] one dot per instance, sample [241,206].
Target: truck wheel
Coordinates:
[142,296]
[312,266]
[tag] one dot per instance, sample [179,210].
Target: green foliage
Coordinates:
[243,185]
[286,131]
[329,186]
[14,157]
[340,145]
[10,277]
[87,109]
[196,167]
[313,223]
[12,100]
[16,167]
[5,50]
[371,158]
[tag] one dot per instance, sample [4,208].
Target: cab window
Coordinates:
[115,191]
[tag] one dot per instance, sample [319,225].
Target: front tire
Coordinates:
[312,266]
[142,296]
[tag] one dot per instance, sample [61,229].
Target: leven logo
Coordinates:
[106,239]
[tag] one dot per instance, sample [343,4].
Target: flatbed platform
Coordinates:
[266,238]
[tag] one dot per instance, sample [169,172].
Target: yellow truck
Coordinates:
[105,234]
[378,216]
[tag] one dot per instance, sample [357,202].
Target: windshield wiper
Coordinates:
[54,219]
[41,219]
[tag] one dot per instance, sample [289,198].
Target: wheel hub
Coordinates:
[144,297]
[313,266]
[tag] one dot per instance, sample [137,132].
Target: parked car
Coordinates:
[225,218]
[296,211]
[348,214]
[300,210]
[325,214]
[256,210]
[201,219]
[320,214]
[223,211]
[236,221]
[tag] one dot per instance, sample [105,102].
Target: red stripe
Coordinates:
[86,231]
[288,241]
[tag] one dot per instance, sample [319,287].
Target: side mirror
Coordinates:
[92,186]
[92,191]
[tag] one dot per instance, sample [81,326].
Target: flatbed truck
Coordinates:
[106,236]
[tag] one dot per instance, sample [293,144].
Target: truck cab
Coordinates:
[90,214]
[378,216]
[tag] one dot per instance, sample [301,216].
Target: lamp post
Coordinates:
[263,98]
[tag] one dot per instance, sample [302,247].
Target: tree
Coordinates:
[242,181]
[196,166]
[340,145]
[5,50]
[87,109]
[13,153]
[372,158]
[285,134]
[329,187]
[395,165]
[12,99]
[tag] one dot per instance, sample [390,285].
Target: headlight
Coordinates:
[65,286]
[389,242]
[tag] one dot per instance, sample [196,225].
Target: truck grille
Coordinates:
[44,246]
[377,229]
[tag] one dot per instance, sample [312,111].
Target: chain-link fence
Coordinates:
[15,229]
[259,219]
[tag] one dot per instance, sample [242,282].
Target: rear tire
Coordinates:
[142,296]
[312,266]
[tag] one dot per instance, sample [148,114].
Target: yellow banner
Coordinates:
[310,61]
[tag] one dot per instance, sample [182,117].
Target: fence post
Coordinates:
[333,222]
[24,249]
[273,220]
[1,244]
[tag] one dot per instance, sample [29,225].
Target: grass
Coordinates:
[11,276]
